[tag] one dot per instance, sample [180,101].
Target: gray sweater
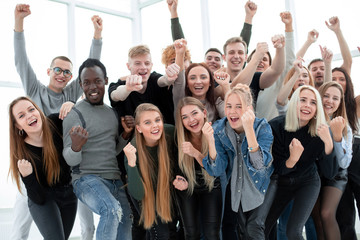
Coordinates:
[98,155]
[48,100]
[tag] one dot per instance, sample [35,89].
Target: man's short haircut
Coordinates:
[66,59]
[213,50]
[314,61]
[92,62]
[234,40]
[138,50]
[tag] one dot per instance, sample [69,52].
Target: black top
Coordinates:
[36,190]
[314,152]
[255,86]
[159,96]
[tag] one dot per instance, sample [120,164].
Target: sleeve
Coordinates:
[179,89]
[343,150]
[112,87]
[27,75]
[281,109]
[280,149]
[218,166]
[95,49]
[72,158]
[328,165]
[246,34]
[176,29]
[34,190]
[135,186]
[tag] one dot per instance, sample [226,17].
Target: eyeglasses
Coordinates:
[58,71]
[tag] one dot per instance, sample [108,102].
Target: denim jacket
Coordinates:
[225,154]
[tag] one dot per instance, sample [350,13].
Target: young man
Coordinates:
[57,97]
[91,143]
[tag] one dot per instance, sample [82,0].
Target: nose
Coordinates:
[92,86]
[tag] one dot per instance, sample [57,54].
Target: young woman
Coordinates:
[332,189]
[199,82]
[198,194]
[36,157]
[239,146]
[301,141]
[149,161]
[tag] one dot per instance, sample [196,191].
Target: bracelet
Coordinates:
[251,149]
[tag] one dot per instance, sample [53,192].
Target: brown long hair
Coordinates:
[291,73]
[186,163]
[18,149]
[341,111]
[161,200]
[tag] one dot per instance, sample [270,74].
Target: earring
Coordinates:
[315,117]
[21,132]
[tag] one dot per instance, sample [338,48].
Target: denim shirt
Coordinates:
[225,154]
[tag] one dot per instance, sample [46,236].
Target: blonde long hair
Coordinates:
[18,149]
[186,163]
[161,200]
[292,122]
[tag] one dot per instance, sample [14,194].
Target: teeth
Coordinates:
[94,94]
[32,121]
[154,132]
[194,124]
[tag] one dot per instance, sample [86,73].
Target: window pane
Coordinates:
[117,5]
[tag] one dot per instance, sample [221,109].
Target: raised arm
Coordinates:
[133,83]
[179,84]
[334,25]
[271,74]
[327,56]
[312,37]
[250,11]
[176,29]
[95,50]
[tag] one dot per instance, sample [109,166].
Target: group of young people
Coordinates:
[201,152]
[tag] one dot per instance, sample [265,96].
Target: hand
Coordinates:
[24,167]
[98,26]
[278,41]
[65,109]
[172,5]
[130,153]
[295,149]
[324,133]
[326,54]
[133,83]
[248,119]
[172,72]
[261,49]
[208,131]
[189,149]
[334,24]
[79,137]
[250,8]
[222,78]
[337,126]
[180,183]
[286,18]
[180,46]
[22,11]
[313,36]
[298,64]
[128,123]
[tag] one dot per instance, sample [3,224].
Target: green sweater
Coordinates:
[135,186]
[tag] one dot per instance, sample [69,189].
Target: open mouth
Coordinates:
[32,123]
[155,131]
[234,119]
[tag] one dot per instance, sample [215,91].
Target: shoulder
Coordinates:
[219,124]
[155,76]
[114,85]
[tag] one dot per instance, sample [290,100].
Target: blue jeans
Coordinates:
[106,198]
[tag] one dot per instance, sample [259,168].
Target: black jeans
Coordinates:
[201,210]
[345,214]
[55,218]
[230,226]
[304,191]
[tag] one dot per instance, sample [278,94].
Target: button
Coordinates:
[239,190]
[256,181]
[264,190]
[245,156]
[240,165]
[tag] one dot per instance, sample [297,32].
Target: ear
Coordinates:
[246,57]
[106,80]
[138,128]
[48,71]
[224,57]
[128,66]
[205,112]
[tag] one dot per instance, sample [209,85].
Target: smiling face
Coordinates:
[264,63]
[58,82]
[317,70]
[141,65]
[339,77]
[193,118]
[198,82]
[331,100]
[234,110]
[306,107]
[27,117]
[213,60]
[303,79]
[93,84]
[151,127]
[235,56]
